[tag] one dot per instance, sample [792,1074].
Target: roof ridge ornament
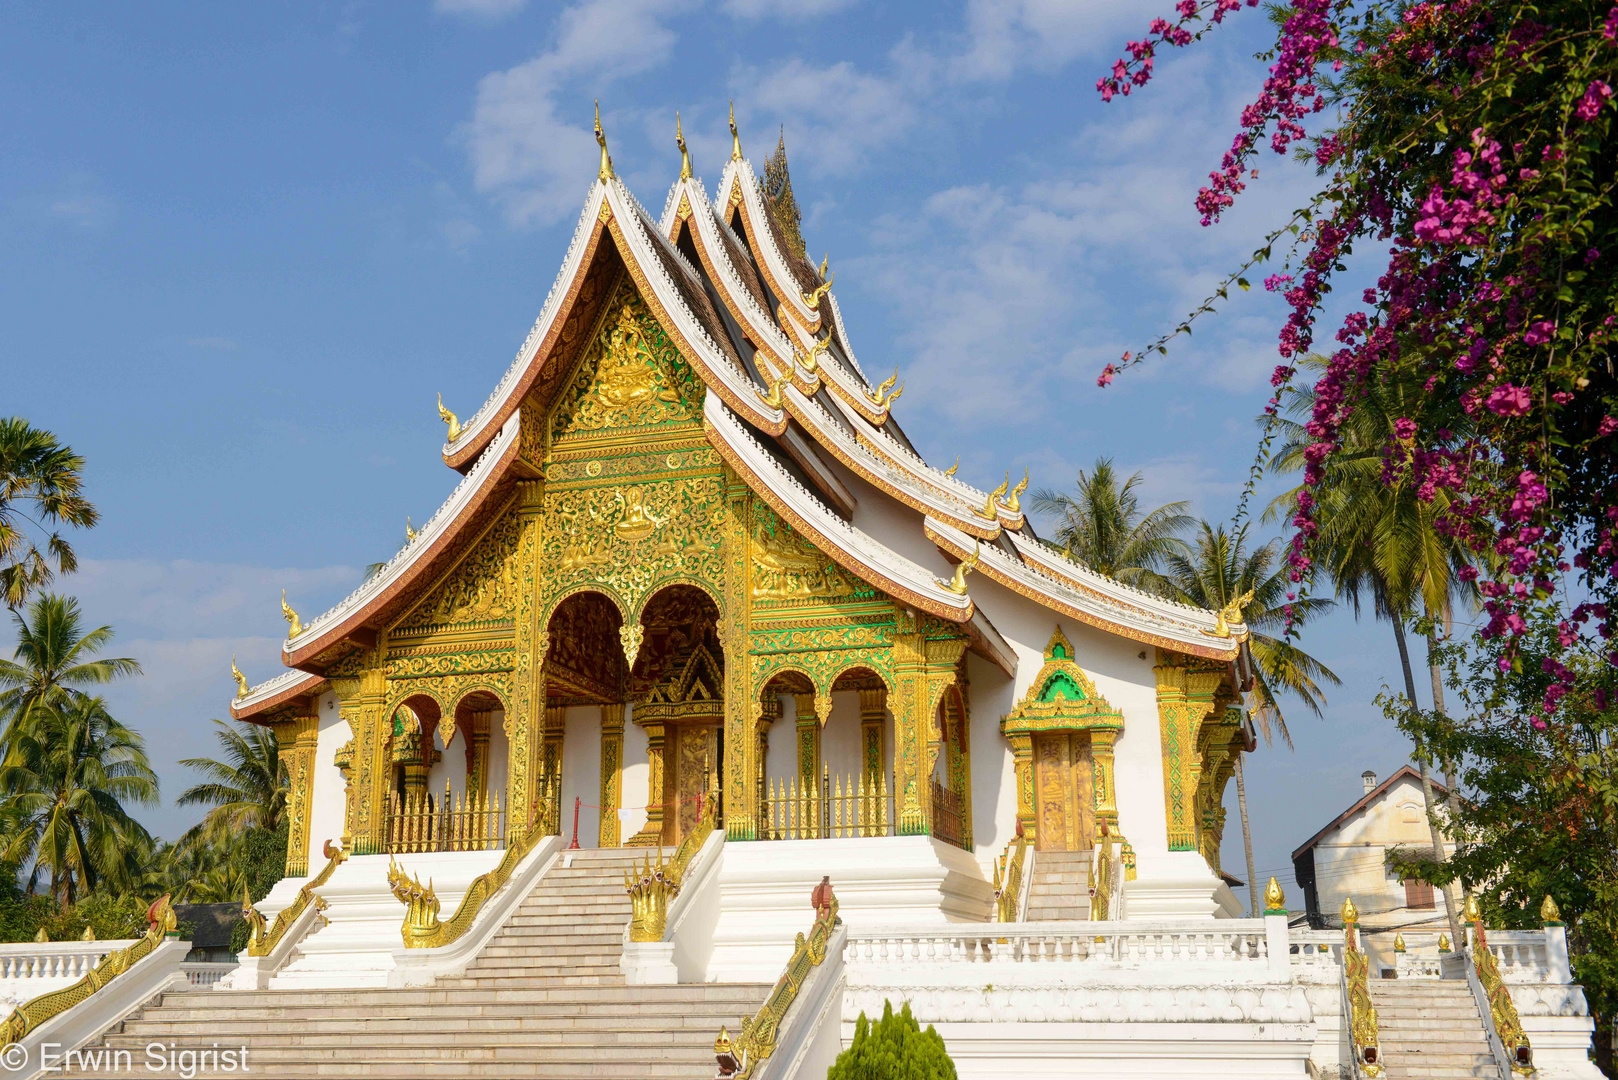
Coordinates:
[450,419]
[685,155]
[241,680]
[957,584]
[994,497]
[951,470]
[1013,504]
[808,360]
[886,385]
[823,260]
[295,625]
[604,173]
[813,298]
[735,139]
[773,398]
[1230,613]
[410,533]
[891,398]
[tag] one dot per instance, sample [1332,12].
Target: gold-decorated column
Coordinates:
[612,761]
[522,713]
[297,740]
[1185,697]
[808,732]
[873,723]
[550,771]
[651,834]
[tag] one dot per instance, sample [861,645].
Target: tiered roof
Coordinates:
[762,329]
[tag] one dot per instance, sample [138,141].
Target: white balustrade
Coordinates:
[62,961]
[1233,942]
[203,974]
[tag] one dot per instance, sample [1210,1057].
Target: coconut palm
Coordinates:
[1220,569]
[1378,538]
[55,658]
[72,770]
[39,487]
[247,790]
[1101,525]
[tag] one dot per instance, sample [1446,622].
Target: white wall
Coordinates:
[327,804]
[994,771]
[581,772]
[450,766]
[632,788]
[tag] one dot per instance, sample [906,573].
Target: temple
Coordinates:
[692,538]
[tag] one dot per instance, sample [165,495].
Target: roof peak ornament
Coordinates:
[813,298]
[294,624]
[685,155]
[951,470]
[241,680]
[410,532]
[988,510]
[773,398]
[810,360]
[1013,504]
[1230,613]
[735,139]
[887,402]
[450,419]
[885,386]
[604,173]
[823,260]
[957,584]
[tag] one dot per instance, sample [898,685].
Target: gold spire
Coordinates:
[957,584]
[1274,898]
[293,622]
[241,680]
[735,139]
[685,155]
[1351,914]
[605,172]
[450,419]
[1012,503]
[1549,912]
[89,934]
[951,470]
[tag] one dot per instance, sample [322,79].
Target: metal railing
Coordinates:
[418,823]
[949,819]
[833,809]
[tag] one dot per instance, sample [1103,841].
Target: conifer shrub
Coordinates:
[893,1048]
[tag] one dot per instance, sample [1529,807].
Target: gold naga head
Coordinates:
[957,584]
[450,419]
[685,155]
[773,398]
[988,510]
[293,622]
[813,298]
[891,398]
[735,139]
[1013,504]
[1274,898]
[603,173]
[1230,613]
[811,360]
[410,533]
[886,385]
[241,680]
[951,470]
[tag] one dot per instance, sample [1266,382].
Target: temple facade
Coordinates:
[693,556]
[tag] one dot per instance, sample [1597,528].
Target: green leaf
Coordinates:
[1243,283]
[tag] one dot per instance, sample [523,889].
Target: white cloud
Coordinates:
[479,9]
[783,9]
[1005,35]
[853,112]
[530,135]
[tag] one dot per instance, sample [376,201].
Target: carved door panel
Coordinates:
[1063,792]
[696,754]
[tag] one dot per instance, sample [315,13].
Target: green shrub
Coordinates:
[894,1048]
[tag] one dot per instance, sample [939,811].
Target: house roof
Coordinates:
[1404,772]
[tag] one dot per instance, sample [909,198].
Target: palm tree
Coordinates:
[1101,526]
[71,772]
[36,471]
[54,659]
[1219,570]
[247,790]
[1378,537]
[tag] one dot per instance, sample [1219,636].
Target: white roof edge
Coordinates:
[270,688]
[739,171]
[972,498]
[1107,600]
[1084,576]
[475,424]
[407,556]
[854,544]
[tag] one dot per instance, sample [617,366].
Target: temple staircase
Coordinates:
[1431,1028]
[543,999]
[1060,890]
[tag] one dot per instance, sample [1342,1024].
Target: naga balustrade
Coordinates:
[417,823]
[1008,873]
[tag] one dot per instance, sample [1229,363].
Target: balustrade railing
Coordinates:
[833,809]
[1108,943]
[417,823]
[949,820]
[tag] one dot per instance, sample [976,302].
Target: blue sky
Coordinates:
[246,245]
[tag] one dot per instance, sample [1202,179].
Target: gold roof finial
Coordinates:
[813,298]
[1013,504]
[1549,912]
[957,584]
[887,384]
[735,139]
[1351,914]
[823,260]
[293,622]
[773,398]
[1469,910]
[1398,943]
[1274,898]
[605,172]
[994,497]
[891,398]
[410,533]
[685,155]
[241,680]
[450,419]
[951,470]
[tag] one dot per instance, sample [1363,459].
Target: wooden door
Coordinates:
[1064,792]
[696,754]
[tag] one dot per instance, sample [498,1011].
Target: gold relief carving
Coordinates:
[482,587]
[612,761]
[634,521]
[631,375]
[1185,696]
[631,637]
[526,693]
[786,565]
[469,662]
[1055,791]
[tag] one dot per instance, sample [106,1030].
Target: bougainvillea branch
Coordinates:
[1473,141]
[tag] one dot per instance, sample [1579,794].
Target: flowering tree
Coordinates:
[1473,141]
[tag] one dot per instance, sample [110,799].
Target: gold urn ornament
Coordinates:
[1274,899]
[1469,911]
[1398,943]
[1549,913]
[1351,914]
[1443,943]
